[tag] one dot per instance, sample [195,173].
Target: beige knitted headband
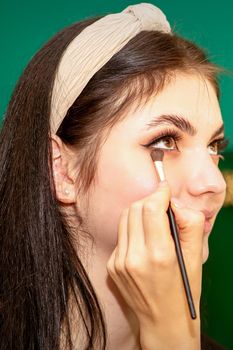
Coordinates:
[94,47]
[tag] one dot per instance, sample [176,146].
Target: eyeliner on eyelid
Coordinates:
[221,143]
[165,133]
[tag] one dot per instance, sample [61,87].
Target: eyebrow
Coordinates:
[218,132]
[180,122]
[174,120]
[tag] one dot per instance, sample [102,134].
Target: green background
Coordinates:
[26,25]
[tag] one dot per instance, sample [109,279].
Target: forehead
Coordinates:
[190,96]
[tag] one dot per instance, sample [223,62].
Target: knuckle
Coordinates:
[163,258]
[133,265]
[119,267]
[197,218]
[110,268]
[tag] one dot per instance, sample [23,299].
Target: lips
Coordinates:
[209,215]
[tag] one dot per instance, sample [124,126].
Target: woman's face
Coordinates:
[185,121]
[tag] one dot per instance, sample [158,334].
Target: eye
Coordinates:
[165,143]
[166,140]
[213,148]
[218,146]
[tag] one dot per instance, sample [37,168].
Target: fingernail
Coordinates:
[176,203]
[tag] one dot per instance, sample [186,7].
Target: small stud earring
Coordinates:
[66,191]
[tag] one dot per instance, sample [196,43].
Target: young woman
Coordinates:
[87,258]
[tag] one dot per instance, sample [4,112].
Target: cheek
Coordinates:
[174,173]
[127,179]
[120,182]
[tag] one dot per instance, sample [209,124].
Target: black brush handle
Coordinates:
[174,232]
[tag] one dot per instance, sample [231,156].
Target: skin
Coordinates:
[126,175]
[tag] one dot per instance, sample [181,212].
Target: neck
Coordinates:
[121,323]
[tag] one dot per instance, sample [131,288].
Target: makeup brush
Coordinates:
[157,157]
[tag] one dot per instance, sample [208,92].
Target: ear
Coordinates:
[63,178]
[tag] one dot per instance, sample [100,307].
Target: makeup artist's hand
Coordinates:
[144,267]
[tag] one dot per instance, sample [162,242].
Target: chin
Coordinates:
[205,251]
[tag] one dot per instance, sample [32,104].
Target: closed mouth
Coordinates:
[209,215]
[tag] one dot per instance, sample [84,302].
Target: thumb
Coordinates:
[190,223]
[191,232]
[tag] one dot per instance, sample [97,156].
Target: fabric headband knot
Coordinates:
[93,48]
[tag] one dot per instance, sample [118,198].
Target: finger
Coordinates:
[191,233]
[155,219]
[116,262]
[190,223]
[122,241]
[135,228]
[130,253]
[125,284]
[119,272]
[125,249]
[117,275]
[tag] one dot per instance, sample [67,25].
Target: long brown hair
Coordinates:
[40,270]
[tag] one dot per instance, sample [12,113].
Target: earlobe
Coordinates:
[63,181]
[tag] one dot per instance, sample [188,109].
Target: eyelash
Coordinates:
[165,134]
[221,143]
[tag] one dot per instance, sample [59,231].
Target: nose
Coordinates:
[204,175]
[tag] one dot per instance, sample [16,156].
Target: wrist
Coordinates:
[174,336]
